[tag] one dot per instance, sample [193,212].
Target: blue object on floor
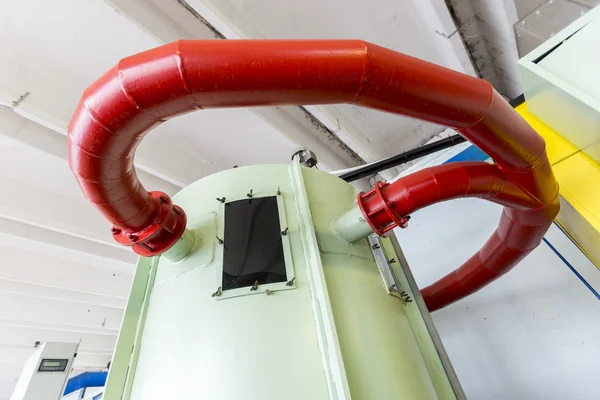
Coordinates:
[86,379]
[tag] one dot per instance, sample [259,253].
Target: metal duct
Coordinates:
[148,88]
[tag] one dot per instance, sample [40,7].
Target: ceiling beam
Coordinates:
[34,237]
[49,105]
[28,133]
[65,312]
[170,20]
[35,206]
[486,28]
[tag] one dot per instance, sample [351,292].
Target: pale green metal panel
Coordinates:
[249,347]
[337,334]
[333,364]
[381,354]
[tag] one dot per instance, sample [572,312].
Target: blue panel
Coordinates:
[87,379]
[471,153]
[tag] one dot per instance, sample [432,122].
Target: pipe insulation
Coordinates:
[146,89]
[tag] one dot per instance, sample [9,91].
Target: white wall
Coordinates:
[533,333]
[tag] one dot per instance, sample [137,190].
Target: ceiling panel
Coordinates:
[403,26]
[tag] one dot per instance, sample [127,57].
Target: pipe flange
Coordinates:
[372,204]
[166,229]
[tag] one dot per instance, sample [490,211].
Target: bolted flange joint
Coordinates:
[376,209]
[163,232]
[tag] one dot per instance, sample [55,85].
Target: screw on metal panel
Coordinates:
[249,194]
[278,192]
[176,210]
[115,231]
[218,293]
[405,297]
[222,199]
[393,260]
[291,282]
[219,240]
[375,246]
[284,232]
[163,199]
[20,99]
[267,292]
[133,238]
[254,287]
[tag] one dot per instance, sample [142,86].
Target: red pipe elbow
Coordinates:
[146,89]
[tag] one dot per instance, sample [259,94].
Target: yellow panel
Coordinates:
[558,148]
[579,180]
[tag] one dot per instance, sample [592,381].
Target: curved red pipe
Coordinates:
[146,89]
[523,223]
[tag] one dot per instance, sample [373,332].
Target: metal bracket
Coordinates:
[383,264]
[306,157]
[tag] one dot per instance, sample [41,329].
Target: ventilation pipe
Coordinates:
[146,89]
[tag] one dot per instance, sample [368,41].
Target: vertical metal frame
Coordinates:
[440,368]
[329,343]
[127,349]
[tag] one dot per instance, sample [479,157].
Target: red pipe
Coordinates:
[387,204]
[148,88]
